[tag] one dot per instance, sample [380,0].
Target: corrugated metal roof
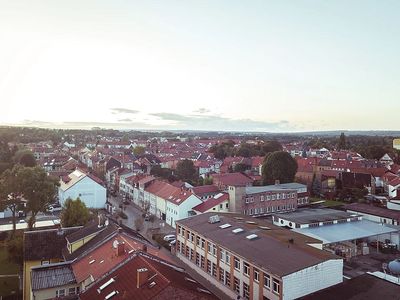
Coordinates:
[45,277]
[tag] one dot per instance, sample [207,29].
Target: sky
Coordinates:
[271,66]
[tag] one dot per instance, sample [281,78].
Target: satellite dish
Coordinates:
[106,222]
[115,244]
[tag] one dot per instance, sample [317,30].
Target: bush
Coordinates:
[3,236]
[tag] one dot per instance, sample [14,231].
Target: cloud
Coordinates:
[123,111]
[215,122]
[125,120]
[202,110]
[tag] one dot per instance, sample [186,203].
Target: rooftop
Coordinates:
[275,249]
[307,216]
[364,287]
[50,276]
[161,281]
[46,244]
[373,210]
[345,231]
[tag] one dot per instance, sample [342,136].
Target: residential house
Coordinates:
[87,187]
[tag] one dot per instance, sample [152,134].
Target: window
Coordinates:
[236,285]
[202,261]
[71,291]
[247,200]
[209,248]
[197,240]
[202,243]
[214,250]
[227,258]
[209,270]
[276,286]
[183,232]
[262,198]
[246,269]
[220,206]
[192,237]
[227,205]
[256,275]
[198,259]
[246,294]
[222,255]
[227,278]
[214,270]
[268,197]
[222,275]
[45,262]
[267,281]
[237,263]
[60,293]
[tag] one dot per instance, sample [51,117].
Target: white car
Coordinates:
[169,237]
[172,243]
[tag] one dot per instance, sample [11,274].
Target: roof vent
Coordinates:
[105,285]
[190,279]
[251,222]
[225,226]
[214,219]
[237,230]
[252,236]
[110,295]
[264,227]
[92,261]
[153,283]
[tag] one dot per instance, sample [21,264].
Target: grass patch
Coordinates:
[9,286]
[7,266]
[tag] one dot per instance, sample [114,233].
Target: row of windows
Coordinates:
[269,209]
[172,211]
[270,283]
[277,196]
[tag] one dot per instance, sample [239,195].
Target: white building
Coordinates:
[248,258]
[85,186]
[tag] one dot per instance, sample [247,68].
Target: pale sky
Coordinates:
[272,66]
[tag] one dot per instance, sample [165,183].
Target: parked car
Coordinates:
[169,237]
[172,243]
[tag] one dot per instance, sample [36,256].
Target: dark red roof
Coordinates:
[233,179]
[205,189]
[165,281]
[212,202]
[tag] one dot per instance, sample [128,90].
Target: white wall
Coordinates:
[373,218]
[90,192]
[181,210]
[313,279]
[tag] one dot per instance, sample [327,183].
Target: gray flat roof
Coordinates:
[268,188]
[307,216]
[345,231]
[271,250]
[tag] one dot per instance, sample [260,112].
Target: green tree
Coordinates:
[38,189]
[139,150]
[15,248]
[74,213]
[11,193]
[342,142]
[241,167]
[25,157]
[279,165]
[185,170]
[271,146]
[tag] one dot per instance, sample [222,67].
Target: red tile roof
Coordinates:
[168,192]
[105,257]
[164,281]
[233,179]
[205,189]
[212,202]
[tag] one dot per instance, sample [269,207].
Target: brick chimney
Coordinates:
[142,276]
[120,248]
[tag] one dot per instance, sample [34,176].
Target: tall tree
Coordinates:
[11,193]
[25,157]
[342,142]
[185,170]
[74,213]
[279,165]
[38,189]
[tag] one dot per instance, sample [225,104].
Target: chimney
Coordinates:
[120,248]
[142,276]
[277,182]
[144,248]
